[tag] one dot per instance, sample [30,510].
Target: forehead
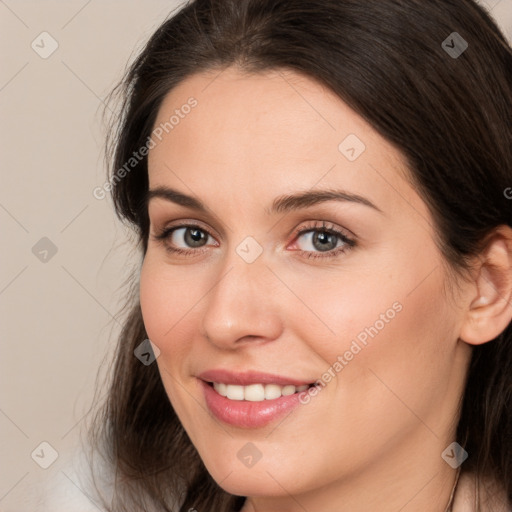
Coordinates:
[256,115]
[266,133]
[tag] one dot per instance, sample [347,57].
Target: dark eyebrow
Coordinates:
[312,197]
[174,196]
[280,204]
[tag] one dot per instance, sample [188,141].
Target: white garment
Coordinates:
[65,486]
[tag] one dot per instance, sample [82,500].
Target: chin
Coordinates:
[243,481]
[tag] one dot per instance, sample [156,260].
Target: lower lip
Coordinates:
[247,414]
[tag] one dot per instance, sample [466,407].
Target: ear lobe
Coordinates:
[490,310]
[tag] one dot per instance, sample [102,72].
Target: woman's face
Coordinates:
[309,258]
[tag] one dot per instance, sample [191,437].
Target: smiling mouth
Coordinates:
[256,392]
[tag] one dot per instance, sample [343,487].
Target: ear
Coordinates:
[490,304]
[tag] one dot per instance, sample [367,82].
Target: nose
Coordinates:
[242,305]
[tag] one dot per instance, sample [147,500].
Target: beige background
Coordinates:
[58,316]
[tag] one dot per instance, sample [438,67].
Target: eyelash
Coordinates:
[349,243]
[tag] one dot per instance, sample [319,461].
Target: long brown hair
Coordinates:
[450,116]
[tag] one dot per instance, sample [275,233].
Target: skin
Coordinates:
[372,438]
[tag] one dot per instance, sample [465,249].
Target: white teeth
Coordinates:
[288,390]
[234,392]
[222,389]
[272,391]
[256,392]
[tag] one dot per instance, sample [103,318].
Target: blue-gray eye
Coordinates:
[189,237]
[318,240]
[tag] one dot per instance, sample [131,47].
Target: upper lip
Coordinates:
[249,377]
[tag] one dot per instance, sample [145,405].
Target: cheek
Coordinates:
[343,314]
[404,361]
[167,300]
[392,322]
[388,358]
[154,300]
